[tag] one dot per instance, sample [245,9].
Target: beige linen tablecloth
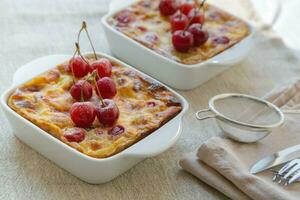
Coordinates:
[35,28]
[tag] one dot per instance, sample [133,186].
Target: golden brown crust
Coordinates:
[153,31]
[144,107]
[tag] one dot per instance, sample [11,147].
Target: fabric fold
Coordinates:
[196,167]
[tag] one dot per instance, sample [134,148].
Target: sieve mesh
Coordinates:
[246,110]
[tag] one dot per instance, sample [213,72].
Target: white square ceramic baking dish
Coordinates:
[172,73]
[91,170]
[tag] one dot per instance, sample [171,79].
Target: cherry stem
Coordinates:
[188,24]
[202,3]
[180,15]
[202,6]
[79,33]
[91,76]
[84,27]
[79,53]
[98,91]
[89,38]
[196,2]
[73,76]
[195,11]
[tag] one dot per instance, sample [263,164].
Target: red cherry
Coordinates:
[221,40]
[75,135]
[151,104]
[200,35]
[142,28]
[83,88]
[124,17]
[196,16]
[83,114]
[152,38]
[168,7]
[117,130]
[182,40]
[187,7]
[108,113]
[79,67]
[103,67]
[90,69]
[107,88]
[179,21]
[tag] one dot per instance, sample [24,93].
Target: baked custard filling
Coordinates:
[144,106]
[143,22]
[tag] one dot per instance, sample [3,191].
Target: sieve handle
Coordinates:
[206,116]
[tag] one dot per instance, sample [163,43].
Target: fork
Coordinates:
[289,173]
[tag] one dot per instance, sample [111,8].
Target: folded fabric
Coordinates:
[224,164]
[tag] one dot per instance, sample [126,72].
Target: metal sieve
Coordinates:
[242,117]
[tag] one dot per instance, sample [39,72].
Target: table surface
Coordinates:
[31,29]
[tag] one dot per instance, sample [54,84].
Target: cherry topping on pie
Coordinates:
[142,28]
[179,21]
[185,35]
[221,40]
[187,7]
[108,112]
[81,90]
[168,7]
[152,38]
[83,114]
[196,16]
[182,40]
[107,88]
[124,17]
[200,35]
[151,104]
[79,67]
[75,135]
[103,67]
[117,130]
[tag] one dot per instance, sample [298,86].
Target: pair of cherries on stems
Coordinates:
[186,24]
[83,112]
[96,74]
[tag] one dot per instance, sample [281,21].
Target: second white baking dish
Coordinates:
[89,169]
[172,73]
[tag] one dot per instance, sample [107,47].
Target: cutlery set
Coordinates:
[289,173]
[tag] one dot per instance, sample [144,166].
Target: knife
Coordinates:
[275,159]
